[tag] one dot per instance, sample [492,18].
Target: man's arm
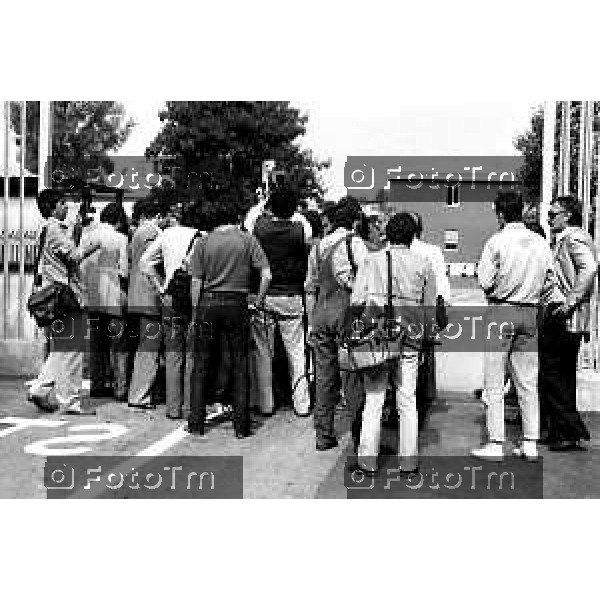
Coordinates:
[488,268]
[265,280]
[342,268]
[62,245]
[585,268]
[441,279]
[311,284]
[152,256]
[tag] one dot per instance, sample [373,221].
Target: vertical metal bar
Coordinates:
[596,303]
[45,145]
[565,149]
[21,300]
[5,304]
[547,162]
[587,168]
[581,152]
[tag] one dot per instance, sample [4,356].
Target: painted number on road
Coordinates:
[97,432]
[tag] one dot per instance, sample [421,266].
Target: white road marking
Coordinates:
[172,438]
[163,445]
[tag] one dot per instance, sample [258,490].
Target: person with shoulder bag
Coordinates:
[405,282]
[173,248]
[329,283]
[57,304]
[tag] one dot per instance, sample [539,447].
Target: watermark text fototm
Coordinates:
[142,477]
[445,477]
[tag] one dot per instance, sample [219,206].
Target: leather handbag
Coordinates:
[365,346]
[50,302]
[179,287]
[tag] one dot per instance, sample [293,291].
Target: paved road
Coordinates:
[279,458]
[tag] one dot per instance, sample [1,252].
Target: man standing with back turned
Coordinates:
[516,272]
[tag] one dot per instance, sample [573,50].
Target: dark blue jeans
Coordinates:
[220,325]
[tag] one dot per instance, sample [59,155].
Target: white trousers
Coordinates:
[284,313]
[406,402]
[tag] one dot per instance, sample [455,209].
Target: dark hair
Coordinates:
[329,209]
[418,223]
[283,202]
[47,201]
[572,204]
[113,214]
[316,222]
[348,211]
[401,229]
[146,208]
[220,212]
[363,228]
[510,205]
[536,228]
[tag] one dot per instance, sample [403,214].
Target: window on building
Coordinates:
[451,239]
[453,195]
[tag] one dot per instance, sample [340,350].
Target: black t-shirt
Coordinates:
[284,245]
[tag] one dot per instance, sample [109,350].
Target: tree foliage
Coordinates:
[222,145]
[83,132]
[530,144]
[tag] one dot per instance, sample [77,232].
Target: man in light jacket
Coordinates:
[576,267]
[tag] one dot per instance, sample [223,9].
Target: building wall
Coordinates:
[474,219]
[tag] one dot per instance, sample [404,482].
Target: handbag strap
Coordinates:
[350,253]
[389,310]
[38,256]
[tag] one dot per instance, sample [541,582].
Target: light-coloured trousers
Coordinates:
[64,364]
[516,349]
[285,313]
[406,403]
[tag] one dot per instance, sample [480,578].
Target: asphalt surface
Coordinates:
[280,460]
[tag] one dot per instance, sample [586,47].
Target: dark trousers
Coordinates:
[107,354]
[177,359]
[559,350]
[328,322]
[220,325]
[426,385]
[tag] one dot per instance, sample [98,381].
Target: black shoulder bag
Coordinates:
[179,287]
[53,301]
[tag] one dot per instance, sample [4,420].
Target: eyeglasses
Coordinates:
[553,213]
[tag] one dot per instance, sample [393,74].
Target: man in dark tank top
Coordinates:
[285,243]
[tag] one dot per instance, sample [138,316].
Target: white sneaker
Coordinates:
[491,451]
[527,450]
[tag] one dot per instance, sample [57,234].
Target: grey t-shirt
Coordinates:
[226,259]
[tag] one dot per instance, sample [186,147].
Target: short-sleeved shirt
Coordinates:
[225,260]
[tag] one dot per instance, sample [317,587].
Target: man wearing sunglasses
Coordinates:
[565,325]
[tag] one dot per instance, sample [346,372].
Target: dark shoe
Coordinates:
[195,429]
[101,393]
[121,399]
[240,435]
[146,406]
[302,415]
[43,402]
[407,474]
[563,446]
[327,445]
[175,415]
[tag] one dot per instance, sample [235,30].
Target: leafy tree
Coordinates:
[83,132]
[530,144]
[221,145]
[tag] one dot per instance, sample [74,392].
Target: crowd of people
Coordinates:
[214,301]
